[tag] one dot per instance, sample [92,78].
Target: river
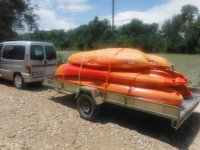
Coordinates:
[189,65]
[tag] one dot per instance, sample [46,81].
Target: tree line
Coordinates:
[16,16]
[179,34]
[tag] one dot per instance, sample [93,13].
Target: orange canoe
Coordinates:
[150,78]
[158,95]
[178,77]
[158,62]
[183,90]
[117,58]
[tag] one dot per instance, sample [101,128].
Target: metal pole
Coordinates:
[113,15]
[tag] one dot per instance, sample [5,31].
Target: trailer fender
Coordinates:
[92,92]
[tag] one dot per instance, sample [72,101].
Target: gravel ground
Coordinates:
[40,118]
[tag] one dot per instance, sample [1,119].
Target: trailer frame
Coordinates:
[177,114]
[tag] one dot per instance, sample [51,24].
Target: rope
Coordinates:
[132,82]
[79,74]
[63,74]
[61,62]
[109,68]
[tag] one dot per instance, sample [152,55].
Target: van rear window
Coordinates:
[15,52]
[36,52]
[1,46]
[50,52]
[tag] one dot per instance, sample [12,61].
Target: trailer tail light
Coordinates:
[28,69]
[95,93]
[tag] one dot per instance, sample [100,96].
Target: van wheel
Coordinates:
[19,81]
[87,108]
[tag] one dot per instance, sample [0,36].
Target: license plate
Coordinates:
[39,73]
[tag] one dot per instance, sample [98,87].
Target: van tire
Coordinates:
[88,110]
[19,81]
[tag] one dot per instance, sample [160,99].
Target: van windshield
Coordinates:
[36,52]
[50,52]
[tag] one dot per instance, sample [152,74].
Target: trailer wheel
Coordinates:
[87,108]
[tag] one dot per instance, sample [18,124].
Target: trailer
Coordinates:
[89,100]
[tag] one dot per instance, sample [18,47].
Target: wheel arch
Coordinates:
[97,98]
[15,73]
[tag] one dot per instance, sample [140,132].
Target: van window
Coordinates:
[50,52]
[15,52]
[37,52]
[1,46]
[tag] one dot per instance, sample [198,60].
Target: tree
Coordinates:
[191,24]
[192,38]
[138,34]
[181,32]
[189,13]
[15,15]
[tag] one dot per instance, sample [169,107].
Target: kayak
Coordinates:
[126,71]
[145,78]
[183,90]
[117,58]
[159,95]
[158,62]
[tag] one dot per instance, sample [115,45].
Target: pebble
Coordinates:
[30,119]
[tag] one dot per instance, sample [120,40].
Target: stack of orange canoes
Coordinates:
[126,71]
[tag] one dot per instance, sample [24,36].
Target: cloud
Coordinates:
[74,5]
[49,20]
[154,15]
[49,13]
[43,3]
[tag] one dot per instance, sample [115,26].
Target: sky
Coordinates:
[68,14]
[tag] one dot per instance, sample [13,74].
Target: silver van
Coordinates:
[27,61]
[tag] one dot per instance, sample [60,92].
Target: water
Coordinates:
[188,65]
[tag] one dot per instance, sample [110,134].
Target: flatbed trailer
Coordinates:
[89,99]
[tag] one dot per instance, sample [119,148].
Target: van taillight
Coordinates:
[28,69]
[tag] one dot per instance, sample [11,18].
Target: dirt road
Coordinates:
[40,118]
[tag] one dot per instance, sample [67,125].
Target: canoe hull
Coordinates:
[152,78]
[117,58]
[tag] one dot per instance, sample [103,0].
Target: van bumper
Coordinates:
[29,79]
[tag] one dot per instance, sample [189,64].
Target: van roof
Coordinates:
[26,42]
